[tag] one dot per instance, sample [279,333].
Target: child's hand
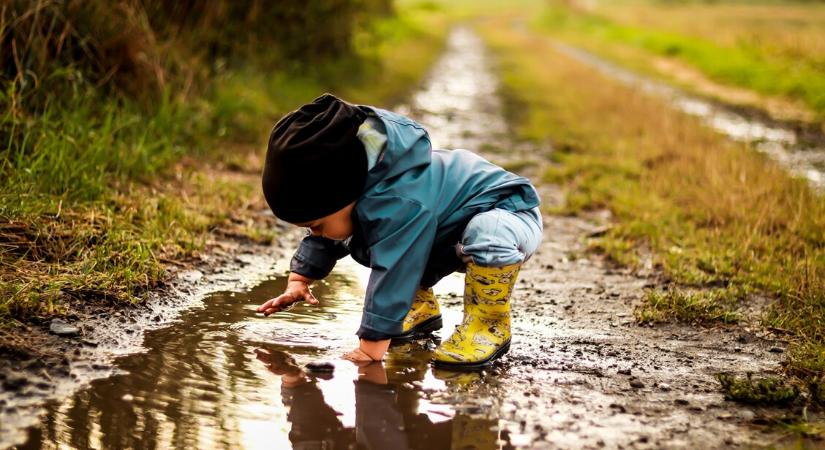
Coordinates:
[368,351]
[282,364]
[297,289]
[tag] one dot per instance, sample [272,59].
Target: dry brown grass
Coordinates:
[714,213]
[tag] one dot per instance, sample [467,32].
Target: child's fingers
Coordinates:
[311,299]
[265,305]
[275,304]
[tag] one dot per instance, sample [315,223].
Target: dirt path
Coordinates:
[580,374]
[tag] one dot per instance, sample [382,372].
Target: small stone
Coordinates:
[623,372]
[681,401]
[776,350]
[618,407]
[636,383]
[62,328]
[127,397]
[747,415]
[664,386]
[320,366]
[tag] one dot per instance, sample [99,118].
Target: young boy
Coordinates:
[366,182]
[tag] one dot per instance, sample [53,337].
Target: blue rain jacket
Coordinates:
[415,205]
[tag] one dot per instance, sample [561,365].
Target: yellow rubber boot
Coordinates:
[484,334]
[423,318]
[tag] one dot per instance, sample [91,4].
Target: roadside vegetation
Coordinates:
[131,132]
[764,54]
[727,228]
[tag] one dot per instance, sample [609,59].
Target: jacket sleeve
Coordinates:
[400,236]
[316,256]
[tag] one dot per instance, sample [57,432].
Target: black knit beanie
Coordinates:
[315,163]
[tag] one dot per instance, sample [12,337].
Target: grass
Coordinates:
[719,220]
[757,391]
[699,307]
[771,49]
[101,193]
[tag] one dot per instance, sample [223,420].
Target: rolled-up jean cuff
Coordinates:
[500,237]
[372,335]
[375,327]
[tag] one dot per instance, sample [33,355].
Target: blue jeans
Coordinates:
[499,237]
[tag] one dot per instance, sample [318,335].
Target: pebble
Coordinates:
[127,397]
[635,383]
[62,328]
[320,366]
[747,415]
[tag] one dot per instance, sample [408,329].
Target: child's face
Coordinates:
[337,226]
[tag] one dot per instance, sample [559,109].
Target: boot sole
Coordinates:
[474,365]
[420,331]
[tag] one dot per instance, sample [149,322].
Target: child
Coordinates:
[366,182]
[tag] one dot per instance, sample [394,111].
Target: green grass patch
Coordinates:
[698,307]
[752,64]
[99,192]
[757,391]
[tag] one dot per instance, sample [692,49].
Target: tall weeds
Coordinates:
[100,100]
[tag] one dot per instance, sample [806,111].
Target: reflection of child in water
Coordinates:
[366,182]
[314,423]
[379,424]
[385,414]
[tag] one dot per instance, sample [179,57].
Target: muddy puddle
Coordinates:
[580,373]
[223,376]
[802,157]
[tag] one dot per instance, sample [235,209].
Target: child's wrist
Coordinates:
[297,277]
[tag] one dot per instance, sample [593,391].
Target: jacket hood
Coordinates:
[408,146]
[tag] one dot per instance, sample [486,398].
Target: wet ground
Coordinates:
[581,373]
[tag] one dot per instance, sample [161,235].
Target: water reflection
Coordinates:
[386,415]
[225,377]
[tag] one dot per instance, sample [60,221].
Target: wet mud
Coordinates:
[580,373]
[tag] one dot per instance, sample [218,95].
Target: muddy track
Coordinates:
[580,374]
